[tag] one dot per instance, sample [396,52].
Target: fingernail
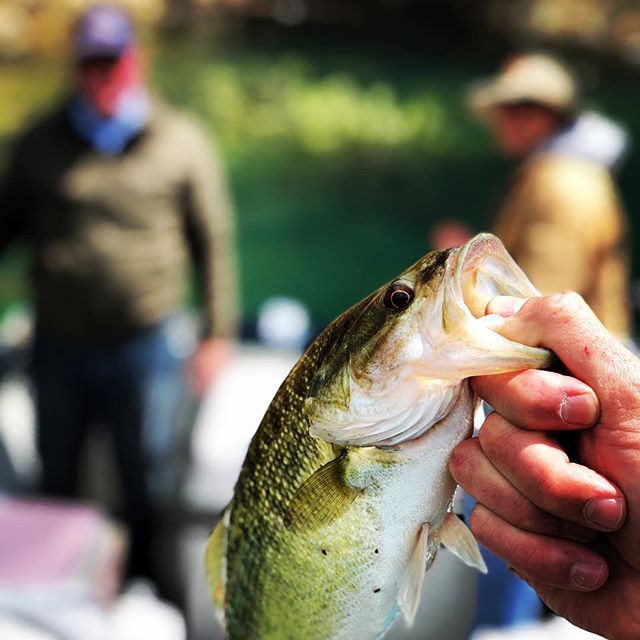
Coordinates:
[604,512]
[586,574]
[505,306]
[579,410]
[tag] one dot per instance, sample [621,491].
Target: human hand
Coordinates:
[541,512]
[209,359]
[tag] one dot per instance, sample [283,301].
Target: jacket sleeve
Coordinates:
[211,234]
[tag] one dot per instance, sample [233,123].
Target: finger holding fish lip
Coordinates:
[541,470]
[505,306]
[472,470]
[564,324]
[548,560]
[535,399]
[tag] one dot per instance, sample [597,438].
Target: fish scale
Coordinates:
[345,495]
[264,489]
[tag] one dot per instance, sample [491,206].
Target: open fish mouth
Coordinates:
[475,274]
[484,270]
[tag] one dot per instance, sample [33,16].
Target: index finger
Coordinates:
[540,400]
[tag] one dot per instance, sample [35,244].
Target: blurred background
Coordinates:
[337,116]
[346,140]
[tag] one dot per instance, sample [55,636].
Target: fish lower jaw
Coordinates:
[475,347]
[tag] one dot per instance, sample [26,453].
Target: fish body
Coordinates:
[345,495]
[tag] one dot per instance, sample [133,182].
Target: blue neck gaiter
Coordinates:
[110,136]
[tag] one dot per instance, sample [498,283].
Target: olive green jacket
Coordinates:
[113,237]
[564,225]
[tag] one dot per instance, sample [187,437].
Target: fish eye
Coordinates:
[398,296]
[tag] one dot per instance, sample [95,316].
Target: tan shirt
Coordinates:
[564,225]
[113,237]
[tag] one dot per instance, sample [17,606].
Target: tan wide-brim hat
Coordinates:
[535,77]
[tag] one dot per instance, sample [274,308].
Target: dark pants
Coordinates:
[134,388]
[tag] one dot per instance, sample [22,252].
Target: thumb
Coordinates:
[505,306]
[565,324]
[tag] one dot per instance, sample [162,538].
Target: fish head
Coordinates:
[399,364]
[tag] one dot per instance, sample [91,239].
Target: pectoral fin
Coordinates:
[455,535]
[321,499]
[215,564]
[411,587]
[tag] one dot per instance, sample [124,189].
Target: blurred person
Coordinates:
[562,219]
[449,232]
[116,193]
[569,525]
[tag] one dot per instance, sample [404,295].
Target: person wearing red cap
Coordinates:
[118,194]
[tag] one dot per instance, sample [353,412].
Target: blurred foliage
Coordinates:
[606,25]
[23,86]
[340,158]
[41,27]
[342,151]
[326,116]
[281,101]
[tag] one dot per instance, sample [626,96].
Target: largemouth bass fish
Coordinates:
[345,495]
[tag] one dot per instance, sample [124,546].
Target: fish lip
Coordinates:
[486,251]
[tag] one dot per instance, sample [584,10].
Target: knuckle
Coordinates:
[550,494]
[565,304]
[495,436]
[541,563]
[530,304]
[537,395]
[458,460]
[526,517]
[555,305]
[572,299]
[464,461]
[556,309]
[489,426]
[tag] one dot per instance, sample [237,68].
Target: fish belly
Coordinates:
[341,581]
[413,493]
